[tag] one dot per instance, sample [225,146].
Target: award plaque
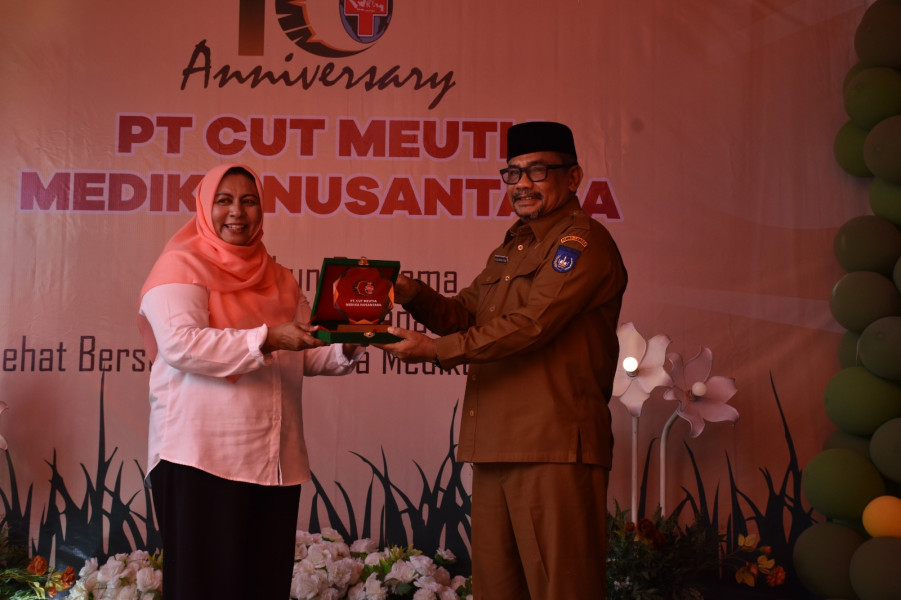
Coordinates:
[352,300]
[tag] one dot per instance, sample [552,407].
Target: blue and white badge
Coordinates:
[565,259]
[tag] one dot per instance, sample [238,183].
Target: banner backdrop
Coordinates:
[705,130]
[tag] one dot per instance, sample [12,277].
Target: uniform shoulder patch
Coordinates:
[574,238]
[565,259]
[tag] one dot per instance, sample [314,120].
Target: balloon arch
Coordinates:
[856,480]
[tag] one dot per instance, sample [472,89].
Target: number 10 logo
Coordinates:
[303,22]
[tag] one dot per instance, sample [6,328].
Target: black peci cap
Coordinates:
[539,136]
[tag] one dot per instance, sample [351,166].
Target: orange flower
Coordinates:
[747,575]
[38,565]
[776,577]
[68,578]
[51,592]
[747,543]
[765,564]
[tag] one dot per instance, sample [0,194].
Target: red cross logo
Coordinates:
[365,11]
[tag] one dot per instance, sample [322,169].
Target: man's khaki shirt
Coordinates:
[538,329]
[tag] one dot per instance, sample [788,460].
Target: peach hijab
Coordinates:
[247,287]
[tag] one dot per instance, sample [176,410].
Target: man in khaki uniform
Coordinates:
[538,330]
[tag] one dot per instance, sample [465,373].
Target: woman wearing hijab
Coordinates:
[227,329]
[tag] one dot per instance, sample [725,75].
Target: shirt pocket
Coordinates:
[505,287]
[492,274]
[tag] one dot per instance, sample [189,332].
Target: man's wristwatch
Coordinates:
[437,363]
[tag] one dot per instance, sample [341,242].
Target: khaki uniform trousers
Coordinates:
[539,531]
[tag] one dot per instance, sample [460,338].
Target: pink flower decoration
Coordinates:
[701,398]
[633,387]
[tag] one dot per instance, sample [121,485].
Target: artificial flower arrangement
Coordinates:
[36,580]
[23,578]
[656,559]
[325,568]
[134,576]
[752,562]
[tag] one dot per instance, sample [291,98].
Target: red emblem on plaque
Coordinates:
[363,295]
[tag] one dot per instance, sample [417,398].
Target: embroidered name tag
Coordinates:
[500,258]
[565,259]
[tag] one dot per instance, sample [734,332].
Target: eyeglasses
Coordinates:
[536,173]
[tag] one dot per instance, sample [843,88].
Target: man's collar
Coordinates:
[545,223]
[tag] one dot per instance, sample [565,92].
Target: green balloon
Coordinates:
[840,483]
[861,297]
[880,348]
[885,449]
[822,559]
[858,444]
[847,349]
[848,150]
[852,73]
[868,243]
[874,569]
[876,40]
[858,402]
[882,149]
[885,200]
[873,95]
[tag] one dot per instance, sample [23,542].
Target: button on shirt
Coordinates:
[250,430]
[540,341]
